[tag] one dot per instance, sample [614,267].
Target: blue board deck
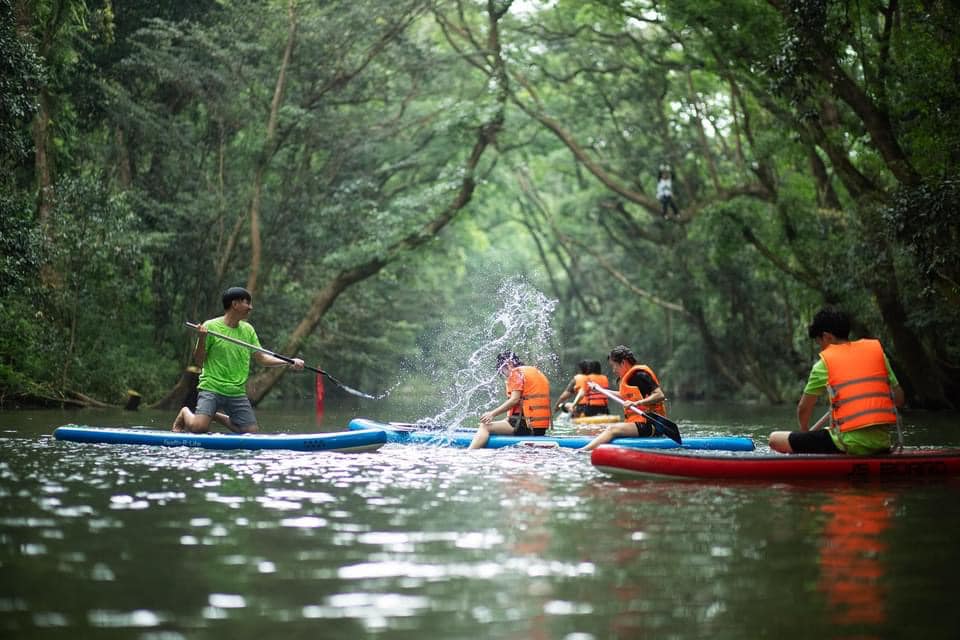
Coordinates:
[344,441]
[408,434]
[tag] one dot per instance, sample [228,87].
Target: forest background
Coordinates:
[367,169]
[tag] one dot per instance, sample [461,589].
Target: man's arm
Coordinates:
[655,397]
[267,360]
[805,410]
[898,396]
[652,393]
[577,398]
[567,392]
[200,352]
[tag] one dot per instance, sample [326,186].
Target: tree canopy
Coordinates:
[366,168]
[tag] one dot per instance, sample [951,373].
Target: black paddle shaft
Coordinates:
[662,424]
[287,359]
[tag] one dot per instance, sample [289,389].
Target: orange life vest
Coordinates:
[590,397]
[580,382]
[858,384]
[631,394]
[534,403]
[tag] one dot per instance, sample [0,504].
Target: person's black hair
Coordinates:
[830,320]
[621,353]
[508,357]
[595,367]
[584,366]
[235,293]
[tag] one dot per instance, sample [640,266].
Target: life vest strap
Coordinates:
[889,412]
[875,394]
[835,388]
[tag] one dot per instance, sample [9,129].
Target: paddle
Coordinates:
[819,424]
[662,424]
[417,426]
[349,390]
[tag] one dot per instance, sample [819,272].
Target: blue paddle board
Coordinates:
[409,434]
[344,441]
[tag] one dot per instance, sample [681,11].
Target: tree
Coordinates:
[702,60]
[337,157]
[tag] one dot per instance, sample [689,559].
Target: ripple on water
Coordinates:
[436,538]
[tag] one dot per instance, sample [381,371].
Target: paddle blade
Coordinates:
[665,426]
[351,390]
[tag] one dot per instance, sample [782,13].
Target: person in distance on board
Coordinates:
[225,366]
[640,387]
[863,391]
[527,404]
[586,401]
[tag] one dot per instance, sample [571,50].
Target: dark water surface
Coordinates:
[150,543]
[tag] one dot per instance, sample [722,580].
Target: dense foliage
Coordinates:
[368,168]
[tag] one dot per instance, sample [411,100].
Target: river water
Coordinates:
[150,543]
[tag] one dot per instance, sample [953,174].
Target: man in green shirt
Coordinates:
[222,388]
[863,363]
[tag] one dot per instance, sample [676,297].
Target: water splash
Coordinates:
[520,323]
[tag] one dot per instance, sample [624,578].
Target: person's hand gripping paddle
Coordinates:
[661,424]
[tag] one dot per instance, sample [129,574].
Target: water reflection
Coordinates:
[429,542]
[851,558]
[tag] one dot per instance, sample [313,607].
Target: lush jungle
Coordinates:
[367,168]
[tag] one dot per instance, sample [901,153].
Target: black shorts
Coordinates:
[644,429]
[590,410]
[812,442]
[520,428]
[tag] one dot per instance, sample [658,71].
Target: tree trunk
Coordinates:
[43,163]
[922,380]
[269,148]
[256,245]
[714,352]
[875,119]
[124,165]
[705,150]
[181,394]
[826,195]
[261,384]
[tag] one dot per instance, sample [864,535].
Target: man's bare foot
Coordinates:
[178,422]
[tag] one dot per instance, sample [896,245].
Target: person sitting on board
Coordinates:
[863,390]
[527,404]
[640,387]
[586,401]
[222,390]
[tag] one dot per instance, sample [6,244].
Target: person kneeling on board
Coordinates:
[640,387]
[222,395]
[864,394]
[527,404]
